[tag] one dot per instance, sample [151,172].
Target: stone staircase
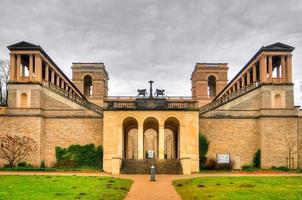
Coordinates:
[167,166]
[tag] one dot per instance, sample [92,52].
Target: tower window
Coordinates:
[212,86]
[88,85]
[24,65]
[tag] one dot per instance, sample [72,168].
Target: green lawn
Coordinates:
[62,187]
[255,188]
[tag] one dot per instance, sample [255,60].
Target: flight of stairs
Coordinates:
[167,166]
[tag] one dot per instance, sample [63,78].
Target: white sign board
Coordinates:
[150,154]
[223,158]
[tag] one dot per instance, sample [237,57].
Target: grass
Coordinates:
[29,168]
[62,187]
[240,188]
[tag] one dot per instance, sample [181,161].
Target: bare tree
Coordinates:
[15,148]
[290,144]
[4,78]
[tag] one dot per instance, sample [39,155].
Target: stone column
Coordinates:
[242,81]
[270,69]
[283,69]
[62,84]
[31,67]
[248,77]
[238,85]
[140,142]
[47,72]
[52,77]
[38,68]
[18,67]
[289,68]
[12,67]
[263,68]
[254,74]
[161,142]
[58,81]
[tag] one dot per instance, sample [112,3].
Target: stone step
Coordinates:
[164,166]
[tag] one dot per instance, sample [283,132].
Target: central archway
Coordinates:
[171,150]
[151,128]
[130,131]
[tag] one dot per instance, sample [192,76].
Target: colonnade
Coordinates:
[40,69]
[262,70]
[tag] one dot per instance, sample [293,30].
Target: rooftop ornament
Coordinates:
[142,93]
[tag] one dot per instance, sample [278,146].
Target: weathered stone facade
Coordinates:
[255,110]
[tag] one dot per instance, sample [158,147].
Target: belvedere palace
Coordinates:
[253,111]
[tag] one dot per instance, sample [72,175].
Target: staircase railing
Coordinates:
[226,98]
[73,97]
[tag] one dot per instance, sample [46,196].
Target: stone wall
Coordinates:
[64,132]
[238,137]
[276,134]
[27,126]
[51,120]
[300,140]
[52,132]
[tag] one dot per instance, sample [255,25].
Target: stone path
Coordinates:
[142,188]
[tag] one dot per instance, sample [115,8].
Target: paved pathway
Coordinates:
[142,188]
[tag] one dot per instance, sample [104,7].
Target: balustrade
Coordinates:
[73,97]
[228,97]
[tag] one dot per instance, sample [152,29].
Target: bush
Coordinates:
[211,164]
[281,168]
[203,150]
[248,167]
[14,148]
[24,164]
[257,159]
[42,165]
[225,165]
[77,155]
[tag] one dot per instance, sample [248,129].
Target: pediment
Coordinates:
[278,47]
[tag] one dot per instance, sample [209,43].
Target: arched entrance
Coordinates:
[130,132]
[151,128]
[171,148]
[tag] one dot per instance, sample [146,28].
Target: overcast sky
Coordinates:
[139,40]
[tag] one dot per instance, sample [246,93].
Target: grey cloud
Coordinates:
[140,40]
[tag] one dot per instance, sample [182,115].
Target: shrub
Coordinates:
[211,164]
[257,159]
[77,155]
[248,167]
[14,148]
[24,164]
[203,150]
[281,168]
[42,165]
[225,165]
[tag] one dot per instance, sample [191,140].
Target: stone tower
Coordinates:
[92,80]
[208,80]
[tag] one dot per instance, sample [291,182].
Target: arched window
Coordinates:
[87,85]
[24,66]
[212,86]
[24,101]
[278,101]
